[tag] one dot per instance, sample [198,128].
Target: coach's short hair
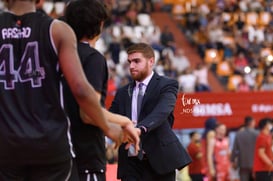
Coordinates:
[145,49]
[248,120]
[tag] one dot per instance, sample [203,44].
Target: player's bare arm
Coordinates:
[131,134]
[66,45]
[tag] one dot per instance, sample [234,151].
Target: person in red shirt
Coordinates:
[263,165]
[195,151]
[221,154]
[240,62]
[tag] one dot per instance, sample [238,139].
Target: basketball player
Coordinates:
[87,17]
[35,51]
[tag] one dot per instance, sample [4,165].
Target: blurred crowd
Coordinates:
[233,37]
[131,22]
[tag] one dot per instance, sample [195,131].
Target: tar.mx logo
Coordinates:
[188,104]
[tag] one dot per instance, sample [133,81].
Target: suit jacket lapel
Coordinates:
[129,96]
[149,90]
[151,87]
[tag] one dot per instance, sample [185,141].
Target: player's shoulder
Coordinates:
[62,33]
[90,54]
[60,26]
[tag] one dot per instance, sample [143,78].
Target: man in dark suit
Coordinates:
[242,154]
[161,153]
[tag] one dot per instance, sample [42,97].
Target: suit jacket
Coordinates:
[243,147]
[162,147]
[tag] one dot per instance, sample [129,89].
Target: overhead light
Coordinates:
[247,69]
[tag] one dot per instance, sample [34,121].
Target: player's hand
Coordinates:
[115,133]
[131,136]
[212,172]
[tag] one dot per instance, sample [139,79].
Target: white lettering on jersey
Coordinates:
[15,33]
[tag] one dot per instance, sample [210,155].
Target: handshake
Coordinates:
[118,128]
[127,133]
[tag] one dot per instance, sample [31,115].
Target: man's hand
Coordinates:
[131,136]
[212,172]
[115,133]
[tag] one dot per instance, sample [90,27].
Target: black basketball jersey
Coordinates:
[33,125]
[88,140]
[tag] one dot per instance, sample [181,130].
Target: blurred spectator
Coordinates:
[239,24]
[243,149]
[169,69]
[255,47]
[239,63]
[201,39]
[167,38]
[159,67]
[131,14]
[255,34]
[195,151]
[259,79]
[241,44]
[228,51]
[187,81]
[110,62]
[267,85]
[268,34]
[180,61]
[243,86]
[147,6]
[114,48]
[111,84]
[224,70]
[201,73]
[154,39]
[126,37]
[192,22]
[2,6]
[250,78]
[263,158]
[215,33]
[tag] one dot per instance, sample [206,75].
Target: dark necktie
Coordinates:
[140,97]
[139,102]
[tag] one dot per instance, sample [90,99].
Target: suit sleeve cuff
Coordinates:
[143,129]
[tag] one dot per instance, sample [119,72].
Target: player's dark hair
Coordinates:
[192,133]
[85,17]
[263,122]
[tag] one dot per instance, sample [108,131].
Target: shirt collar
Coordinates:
[146,80]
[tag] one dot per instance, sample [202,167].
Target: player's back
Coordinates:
[33,126]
